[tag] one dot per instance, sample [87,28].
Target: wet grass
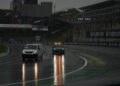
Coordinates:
[3,49]
[92,61]
[86,73]
[94,69]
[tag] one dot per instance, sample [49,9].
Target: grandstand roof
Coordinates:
[100,5]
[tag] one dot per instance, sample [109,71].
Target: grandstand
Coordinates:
[98,22]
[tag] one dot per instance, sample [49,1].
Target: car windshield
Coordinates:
[30,47]
[58,48]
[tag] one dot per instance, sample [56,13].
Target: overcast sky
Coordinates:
[60,4]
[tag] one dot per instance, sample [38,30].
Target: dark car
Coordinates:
[58,50]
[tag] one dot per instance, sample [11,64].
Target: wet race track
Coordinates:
[14,71]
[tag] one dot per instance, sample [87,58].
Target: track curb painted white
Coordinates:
[85,64]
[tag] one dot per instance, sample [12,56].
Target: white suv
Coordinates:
[32,52]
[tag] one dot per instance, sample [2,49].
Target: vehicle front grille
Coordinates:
[28,52]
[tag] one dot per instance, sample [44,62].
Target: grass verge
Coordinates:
[3,49]
[92,61]
[94,69]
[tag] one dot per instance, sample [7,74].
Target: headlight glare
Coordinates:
[34,52]
[23,52]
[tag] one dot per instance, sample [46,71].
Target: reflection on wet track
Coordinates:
[23,73]
[59,70]
[35,74]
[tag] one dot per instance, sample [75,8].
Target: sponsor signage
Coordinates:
[84,19]
[104,34]
[17,7]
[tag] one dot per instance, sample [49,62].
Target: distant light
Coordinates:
[57,43]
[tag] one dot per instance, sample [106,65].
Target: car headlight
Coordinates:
[34,52]
[23,52]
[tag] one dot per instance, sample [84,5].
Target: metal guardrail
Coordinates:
[24,26]
[15,26]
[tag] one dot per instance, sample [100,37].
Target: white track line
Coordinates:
[85,64]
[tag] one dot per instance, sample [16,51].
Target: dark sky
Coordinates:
[60,4]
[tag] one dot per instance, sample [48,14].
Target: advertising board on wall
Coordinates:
[104,34]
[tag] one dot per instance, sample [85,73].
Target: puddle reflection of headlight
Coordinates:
[59,70]
[55,70]
[36,73]
[63,68]
[23,73]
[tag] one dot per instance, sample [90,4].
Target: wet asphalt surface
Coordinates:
[110,56]
[11,65]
